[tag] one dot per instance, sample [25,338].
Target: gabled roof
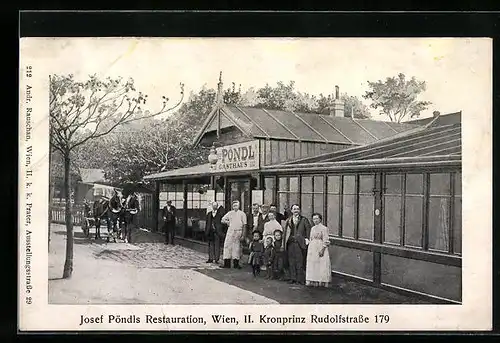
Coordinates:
[294,126]
[428,142]
[428,146]
[434,136]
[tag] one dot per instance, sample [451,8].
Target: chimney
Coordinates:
[337,106]
[436,114]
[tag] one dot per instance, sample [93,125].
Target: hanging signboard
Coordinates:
[236,157]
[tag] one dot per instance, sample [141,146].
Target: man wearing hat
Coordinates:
[169,222]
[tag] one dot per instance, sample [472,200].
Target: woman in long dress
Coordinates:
[318,268]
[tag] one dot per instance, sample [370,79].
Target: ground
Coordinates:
[149,271]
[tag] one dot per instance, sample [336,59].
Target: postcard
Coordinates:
[255,184]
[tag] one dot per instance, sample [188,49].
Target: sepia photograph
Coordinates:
[258,171]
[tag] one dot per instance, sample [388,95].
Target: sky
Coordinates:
[458,71]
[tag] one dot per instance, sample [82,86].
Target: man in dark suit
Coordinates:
[264,211]
[214,232]
[296,236]
[254,220]
[169,222]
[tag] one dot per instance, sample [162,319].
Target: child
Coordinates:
[256,252]
[269,257]
[278,264]
[271,226]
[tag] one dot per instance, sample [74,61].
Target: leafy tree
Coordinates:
[131,152]
[233,95]
[285,97]
[396,97]
[355,107]
[83,111]
[281,97]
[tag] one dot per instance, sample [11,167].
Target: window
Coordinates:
[333,204]
[195,200]
[288,192]
[172,192]
[307,196]
[269,188]
[366,207]
[439,211]
[219,192]
[392,209]
[348,205]
[312,195]
[294,190]
[414,206]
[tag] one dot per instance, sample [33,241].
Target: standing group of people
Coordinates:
[286,246]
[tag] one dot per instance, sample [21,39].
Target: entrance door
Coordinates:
[239,190]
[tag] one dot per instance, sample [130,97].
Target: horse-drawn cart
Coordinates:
[95,195]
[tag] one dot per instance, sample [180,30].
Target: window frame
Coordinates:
[379,191]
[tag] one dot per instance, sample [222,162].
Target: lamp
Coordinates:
[213,158]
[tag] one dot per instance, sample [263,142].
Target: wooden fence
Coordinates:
[145,217]
[59,213]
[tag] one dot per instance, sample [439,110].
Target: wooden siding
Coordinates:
[279,151]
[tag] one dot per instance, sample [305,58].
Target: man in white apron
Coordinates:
[236,221]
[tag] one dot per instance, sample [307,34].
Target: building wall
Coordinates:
[278,151]
[272,151]
[412,243]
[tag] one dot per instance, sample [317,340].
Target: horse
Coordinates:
[131,208]
[100,210]
[115,215]
[110,210]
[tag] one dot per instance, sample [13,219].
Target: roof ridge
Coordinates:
[321,114]
[380,143]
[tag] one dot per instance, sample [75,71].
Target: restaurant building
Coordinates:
[389,193]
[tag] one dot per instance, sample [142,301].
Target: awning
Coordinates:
[454,161]
[199,170]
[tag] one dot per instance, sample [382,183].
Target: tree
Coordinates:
[157,146]
[396,97]
[284,97]
[84,111]
[355,107]
[281,97]
[131,152]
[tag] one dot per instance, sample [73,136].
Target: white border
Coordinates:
[475,313]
